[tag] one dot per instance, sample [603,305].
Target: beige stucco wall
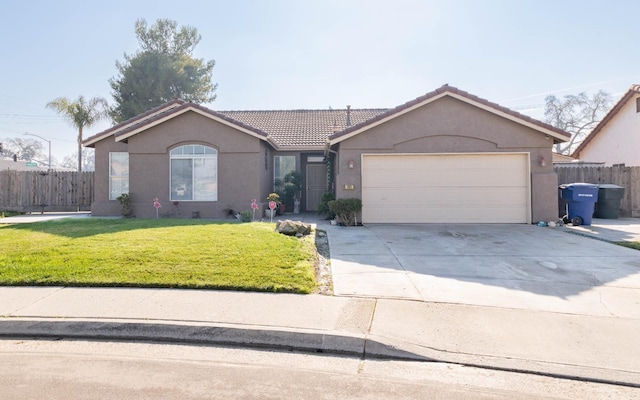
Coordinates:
[101,205]
[242,174]
[449,125]
[619,141]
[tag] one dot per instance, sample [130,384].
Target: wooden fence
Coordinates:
[627,177]
[26,191]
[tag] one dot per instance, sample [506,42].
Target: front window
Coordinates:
[282,165]
[118,174]
[194,173]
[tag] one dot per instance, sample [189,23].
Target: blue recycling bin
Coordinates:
[581,199]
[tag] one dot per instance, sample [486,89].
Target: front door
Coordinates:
[316,185]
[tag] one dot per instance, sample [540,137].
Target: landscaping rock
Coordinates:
[293,228]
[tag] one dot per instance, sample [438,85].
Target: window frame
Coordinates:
[121,177]
[276,167]
[198,155]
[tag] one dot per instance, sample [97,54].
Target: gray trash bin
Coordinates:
[608,204]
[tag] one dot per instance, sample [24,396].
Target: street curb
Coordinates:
[201,333]
[508,364]
[293,340]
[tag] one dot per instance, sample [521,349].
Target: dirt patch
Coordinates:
[323,266]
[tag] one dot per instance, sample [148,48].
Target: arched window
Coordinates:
[194,173]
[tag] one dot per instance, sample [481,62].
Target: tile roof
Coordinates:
[443,90]
[302,128]
[299,129]
[633,90]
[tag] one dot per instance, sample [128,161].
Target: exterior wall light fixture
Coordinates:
[542,161]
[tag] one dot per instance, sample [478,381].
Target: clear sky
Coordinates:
[297,54]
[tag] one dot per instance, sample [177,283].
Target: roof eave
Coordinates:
[91,141]
[186,108]
[278,147]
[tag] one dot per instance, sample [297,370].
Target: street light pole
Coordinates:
[48,141]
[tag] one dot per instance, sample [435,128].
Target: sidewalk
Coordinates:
[601,349]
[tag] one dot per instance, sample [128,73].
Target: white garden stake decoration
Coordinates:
[157,205]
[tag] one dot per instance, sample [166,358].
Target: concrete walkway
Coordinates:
[38,217]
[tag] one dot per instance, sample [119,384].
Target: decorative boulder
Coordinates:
[293,228]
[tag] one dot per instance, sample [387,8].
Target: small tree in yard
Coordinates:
[576,114]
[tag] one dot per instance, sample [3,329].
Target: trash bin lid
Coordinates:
[610,186]
[578,185]
[581,184]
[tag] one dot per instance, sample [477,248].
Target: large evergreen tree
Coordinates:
[162,69]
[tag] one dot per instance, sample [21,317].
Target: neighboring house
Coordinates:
[447,156]
[616,139]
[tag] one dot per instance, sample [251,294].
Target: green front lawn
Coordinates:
[156,253]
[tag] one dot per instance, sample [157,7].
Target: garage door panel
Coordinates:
[444,196]
[429,179]
[445,214]
[446,188]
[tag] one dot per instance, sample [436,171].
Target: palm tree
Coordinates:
[80,113]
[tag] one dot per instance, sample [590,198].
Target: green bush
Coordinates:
[346,210]
[323,207]
[246,216]
[291,188]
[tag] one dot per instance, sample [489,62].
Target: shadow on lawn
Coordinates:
[79,228]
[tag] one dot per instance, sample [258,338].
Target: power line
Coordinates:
[31,116]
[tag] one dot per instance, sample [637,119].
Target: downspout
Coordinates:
[330,177]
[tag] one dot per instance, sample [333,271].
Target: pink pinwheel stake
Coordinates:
[254,207]
[157,205]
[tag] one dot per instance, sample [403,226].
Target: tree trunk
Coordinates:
[80,149]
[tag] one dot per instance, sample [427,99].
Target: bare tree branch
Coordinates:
[576,114]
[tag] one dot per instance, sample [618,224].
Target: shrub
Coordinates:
[291,188]
[125,204]
[323,207]
[245,216]
[346,210]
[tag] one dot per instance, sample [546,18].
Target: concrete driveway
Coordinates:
[513,266]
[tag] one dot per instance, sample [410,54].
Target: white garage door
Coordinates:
[440,188]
